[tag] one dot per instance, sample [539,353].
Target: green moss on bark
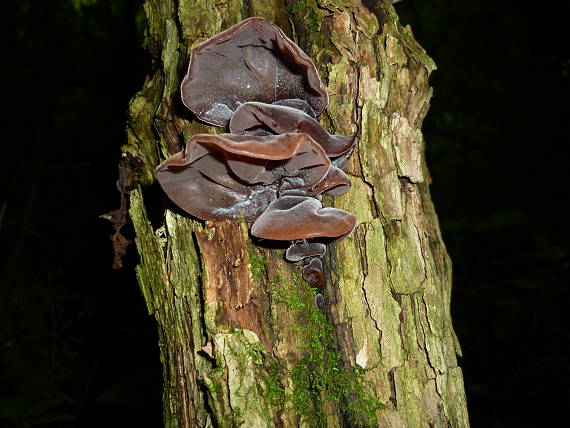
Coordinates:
[310,13]
[257,263]
[319,378]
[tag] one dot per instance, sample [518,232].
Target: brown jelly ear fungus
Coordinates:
[223,176]
[255,118]
[277,160]
[251,61]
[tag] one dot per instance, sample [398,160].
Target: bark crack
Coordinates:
[357,110]
[426,308]
[375,207]
[227,375]
[358,113]
[200,296]
[423,254]
[428,355]
[364,259]
[387,253]
[392,381]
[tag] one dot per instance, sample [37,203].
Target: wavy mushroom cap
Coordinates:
[208,190]
[226,176]
[335,183]
[300,250]
[251,61]
[301,217]
[253,117]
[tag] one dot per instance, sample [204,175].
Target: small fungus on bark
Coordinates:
[303,249]
[314,273]
[309,255]
[277,160]
[301,217]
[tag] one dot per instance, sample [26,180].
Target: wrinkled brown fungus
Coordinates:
[227,176]
[251,61]
[314,273]
[277,161]
[254,118]
[335,183]
[303,249]
[301,217]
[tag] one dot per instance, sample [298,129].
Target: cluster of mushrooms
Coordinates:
[276,161]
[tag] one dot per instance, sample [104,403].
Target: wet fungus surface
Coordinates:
[276,161]
[255,118]
[251,61]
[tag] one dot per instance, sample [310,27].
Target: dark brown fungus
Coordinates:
[301,217]
[207,189]
[314,273]
[341,161]
[336,182]
[292,186]
[298,104]
[227,176]
[251,61]
[303,249]
[320,302]
[254,79]
[254,117]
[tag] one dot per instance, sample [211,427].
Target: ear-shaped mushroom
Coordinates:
[303,249]
[206,188]
[301,217]
[226,176]
[336,182]
[341,161]
[314,273]
[253,117]
[251,61]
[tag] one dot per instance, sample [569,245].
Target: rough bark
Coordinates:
[241,340]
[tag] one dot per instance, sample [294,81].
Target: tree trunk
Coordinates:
[242,341]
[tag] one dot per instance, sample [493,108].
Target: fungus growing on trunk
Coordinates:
[277,160]
[303,249]
[251,61]
[314,273]
[301,217]
[224,176]
[335,183]
[309,255]
[254,118]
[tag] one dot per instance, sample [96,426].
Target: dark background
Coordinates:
[77,345]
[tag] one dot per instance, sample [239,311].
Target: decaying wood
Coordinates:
[237,330]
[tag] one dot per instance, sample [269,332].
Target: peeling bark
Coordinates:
[241,340]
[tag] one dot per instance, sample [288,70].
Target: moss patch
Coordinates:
[257,263]
[319,379]
[274,390]
[310,13]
